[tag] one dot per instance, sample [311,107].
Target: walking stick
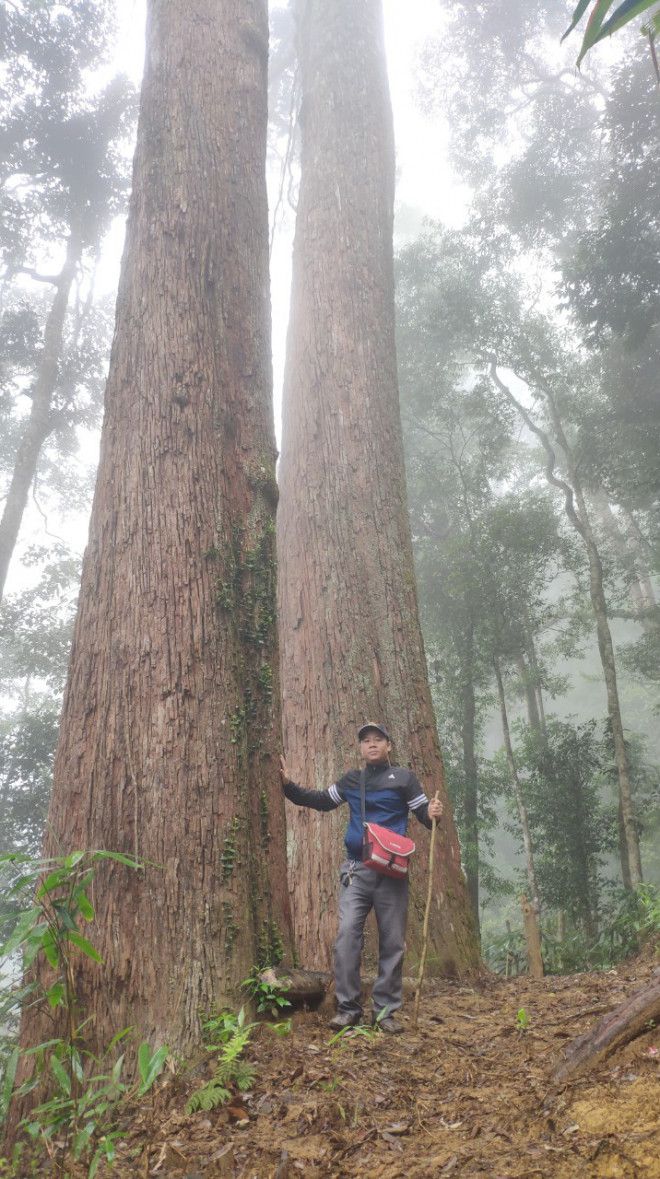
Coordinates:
[425,931]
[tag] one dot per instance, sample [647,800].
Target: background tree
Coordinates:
[63,178]
[351,643]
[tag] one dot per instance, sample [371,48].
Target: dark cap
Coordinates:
[378,729]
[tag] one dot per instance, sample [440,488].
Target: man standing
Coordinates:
[390,793]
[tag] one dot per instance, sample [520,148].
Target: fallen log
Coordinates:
[299,986]
[311,987]
[618,1027]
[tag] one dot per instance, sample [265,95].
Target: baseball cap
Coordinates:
[378,728]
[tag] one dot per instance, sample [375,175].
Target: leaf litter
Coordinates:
[468,1093]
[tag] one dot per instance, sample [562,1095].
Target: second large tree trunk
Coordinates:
[351,640]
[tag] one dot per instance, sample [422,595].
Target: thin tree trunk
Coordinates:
[531,699]
[351,641]
[579,518]
[518,793]
[40,422]
[470,778]
[641,592]
[170,735]
[530,648]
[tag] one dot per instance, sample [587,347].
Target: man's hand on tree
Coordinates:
[435,809]
[284,773]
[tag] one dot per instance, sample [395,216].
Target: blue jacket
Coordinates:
[390,794]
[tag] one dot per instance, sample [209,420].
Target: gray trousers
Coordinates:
[389,899]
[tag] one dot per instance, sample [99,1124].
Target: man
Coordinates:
[390,793]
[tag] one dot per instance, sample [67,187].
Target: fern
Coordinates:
[229,1070]
[210,1095]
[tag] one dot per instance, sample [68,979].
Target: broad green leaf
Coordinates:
[8,1081]
[55,994]
[50,949]
[55,880]
[24,926]
[64,915]
[87,948]
[117,1070]
[116,1039]
[61,1075]
[81,1139]
[86,907]
[73,859]
[150,1066]
[32,943]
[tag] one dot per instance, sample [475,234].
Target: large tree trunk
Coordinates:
[351,640]
[40,421]
[170,731]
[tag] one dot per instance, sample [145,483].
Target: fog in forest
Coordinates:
[527,267]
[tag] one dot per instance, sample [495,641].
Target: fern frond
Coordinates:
[211,1095]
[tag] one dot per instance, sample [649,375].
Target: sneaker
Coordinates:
[344,1019]
[388,1024]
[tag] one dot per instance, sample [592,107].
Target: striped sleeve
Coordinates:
[317,800]
[417,801]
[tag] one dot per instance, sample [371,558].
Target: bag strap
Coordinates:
[363,791]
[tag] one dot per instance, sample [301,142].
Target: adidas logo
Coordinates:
[391,775]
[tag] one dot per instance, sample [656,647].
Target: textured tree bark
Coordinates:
[171,726]
[532,939]
[351,641]
[40,421]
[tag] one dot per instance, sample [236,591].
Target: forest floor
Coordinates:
[469,1093]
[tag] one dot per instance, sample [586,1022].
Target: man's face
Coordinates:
[374,747]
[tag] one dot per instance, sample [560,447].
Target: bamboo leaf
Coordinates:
[623,14]
[82,1138]
[50,949]
[8,1081]
[55,995]
[150,1066]
[73,859]
[24,926]
[61,1075]
[86,907]
[87,948]
[56,878]
[577,17]
[598,14]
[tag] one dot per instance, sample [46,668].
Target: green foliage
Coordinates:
[523,1020]
[227,1037]
[564,768]
[600,25]
[627,920]
[74,1117]
[270,998]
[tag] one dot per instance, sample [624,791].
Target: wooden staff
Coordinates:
[425,931]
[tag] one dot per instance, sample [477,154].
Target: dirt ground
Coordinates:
[468,1093]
